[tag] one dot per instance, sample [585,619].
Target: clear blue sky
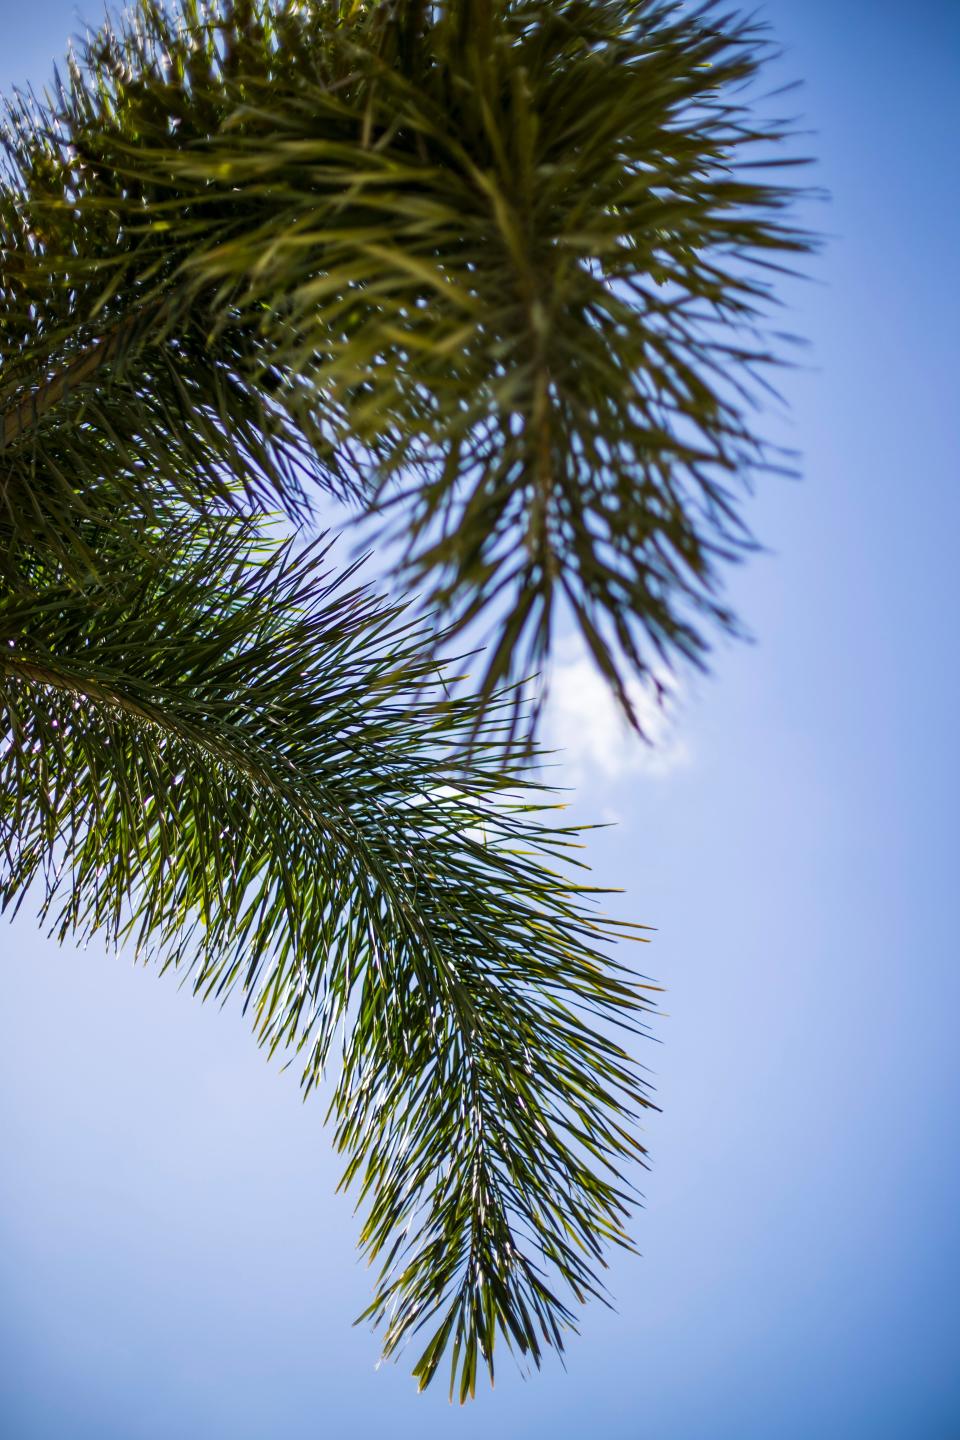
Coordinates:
[173,1262]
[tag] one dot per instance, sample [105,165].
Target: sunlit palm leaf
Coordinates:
[496,266]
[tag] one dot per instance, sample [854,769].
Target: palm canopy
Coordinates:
[491,270]
[476,268]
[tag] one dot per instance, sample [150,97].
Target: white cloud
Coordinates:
[582,719]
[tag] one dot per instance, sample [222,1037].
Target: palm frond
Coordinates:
[251,770]
[497,273]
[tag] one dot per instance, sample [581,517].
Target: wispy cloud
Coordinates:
[583,721]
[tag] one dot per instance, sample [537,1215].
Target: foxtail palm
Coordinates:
[490,273]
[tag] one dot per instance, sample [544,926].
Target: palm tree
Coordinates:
[490,273]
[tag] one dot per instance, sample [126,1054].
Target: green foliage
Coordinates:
[491,271]
[253,771]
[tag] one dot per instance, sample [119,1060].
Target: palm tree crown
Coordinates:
[492,273]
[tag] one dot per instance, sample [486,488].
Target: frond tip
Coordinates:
[251,770]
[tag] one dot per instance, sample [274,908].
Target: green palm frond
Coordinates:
[493,273]
[494,270]
[252,771]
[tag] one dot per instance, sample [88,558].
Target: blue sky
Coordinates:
[173,1261]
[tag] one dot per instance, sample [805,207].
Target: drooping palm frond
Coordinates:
[496,267]
[252,771]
